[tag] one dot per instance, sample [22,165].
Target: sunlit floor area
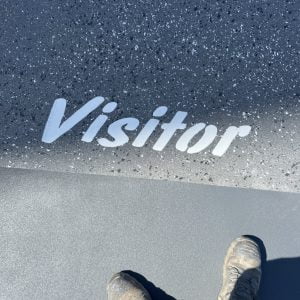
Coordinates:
[64,235]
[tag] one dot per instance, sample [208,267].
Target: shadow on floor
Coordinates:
[155,292]
[280,279]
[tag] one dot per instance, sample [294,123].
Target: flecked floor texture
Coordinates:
[224,62]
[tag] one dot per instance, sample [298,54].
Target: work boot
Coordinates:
[122,286]
[241,270]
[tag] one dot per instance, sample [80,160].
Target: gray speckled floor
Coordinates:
[223,62]
[63,235]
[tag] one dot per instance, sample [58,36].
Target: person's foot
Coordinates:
[241,270]
[122,286]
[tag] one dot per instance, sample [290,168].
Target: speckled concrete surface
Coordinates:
[62,236]
[224,62]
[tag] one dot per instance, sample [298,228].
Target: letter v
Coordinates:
[54,128]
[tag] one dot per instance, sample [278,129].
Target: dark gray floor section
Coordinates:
[64,235]
[225,63]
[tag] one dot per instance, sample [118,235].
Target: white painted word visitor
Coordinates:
[55,128]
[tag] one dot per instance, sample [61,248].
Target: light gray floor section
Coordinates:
[64,235]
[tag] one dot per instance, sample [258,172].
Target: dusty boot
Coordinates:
[241,270]
[122,286]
